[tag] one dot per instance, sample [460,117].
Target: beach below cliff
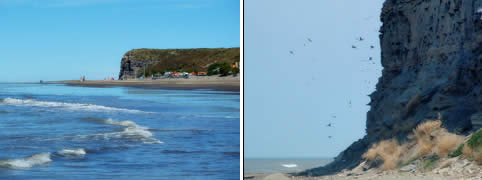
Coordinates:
[365,176]
[207,82]
[445,169]
[462,170]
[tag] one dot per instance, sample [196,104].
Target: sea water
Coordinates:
[52,131]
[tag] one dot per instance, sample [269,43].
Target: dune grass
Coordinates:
[430,142]
[389,151]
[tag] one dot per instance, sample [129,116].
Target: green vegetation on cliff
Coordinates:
[182,60]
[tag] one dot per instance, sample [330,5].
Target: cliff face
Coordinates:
[158,60]
[432,63]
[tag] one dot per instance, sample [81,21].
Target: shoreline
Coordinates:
[176,84]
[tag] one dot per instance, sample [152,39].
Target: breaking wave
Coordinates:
[289,165]
[79,152]
[69,106]
[27,162]
[131,132]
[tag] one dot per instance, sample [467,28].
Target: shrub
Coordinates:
[223,68]
[213,69]
[235,71]
[388,150]
[424,137]
[446,143]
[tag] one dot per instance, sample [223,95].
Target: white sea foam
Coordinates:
[69,106]
[122,123]
[289,165]
[27,162]
[131,132]
[131,129]
[79,152]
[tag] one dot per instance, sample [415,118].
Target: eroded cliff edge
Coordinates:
[431,57]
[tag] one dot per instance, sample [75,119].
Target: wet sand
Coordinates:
[181,84]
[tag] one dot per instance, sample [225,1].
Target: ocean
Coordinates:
[54,131]
[282,165]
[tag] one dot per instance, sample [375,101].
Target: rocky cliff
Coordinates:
[432,63]
[154,61]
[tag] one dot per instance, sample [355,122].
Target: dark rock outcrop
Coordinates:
[432,63]
[136,61]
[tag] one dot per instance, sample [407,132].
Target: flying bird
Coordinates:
[329,137]
[361,39]
[329,125]
[291,52]
[353,46]
[372,47]
[370,58]
[309,39]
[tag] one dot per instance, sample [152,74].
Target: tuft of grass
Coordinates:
[447,142]
[475,142]
[388,150]
[424,137]
[457,152]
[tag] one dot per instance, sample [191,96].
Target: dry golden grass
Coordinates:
[425,136]
[388,150]
[446,143]
[428,139]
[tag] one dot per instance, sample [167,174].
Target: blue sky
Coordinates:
[290,98]
[64,39]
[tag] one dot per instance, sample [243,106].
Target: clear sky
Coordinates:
[64,39]
[290,98]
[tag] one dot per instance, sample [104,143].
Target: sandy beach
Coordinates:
[365,176]
[215,83]
[447,169]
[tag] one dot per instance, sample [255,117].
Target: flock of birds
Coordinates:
[304,44]
[370,60]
